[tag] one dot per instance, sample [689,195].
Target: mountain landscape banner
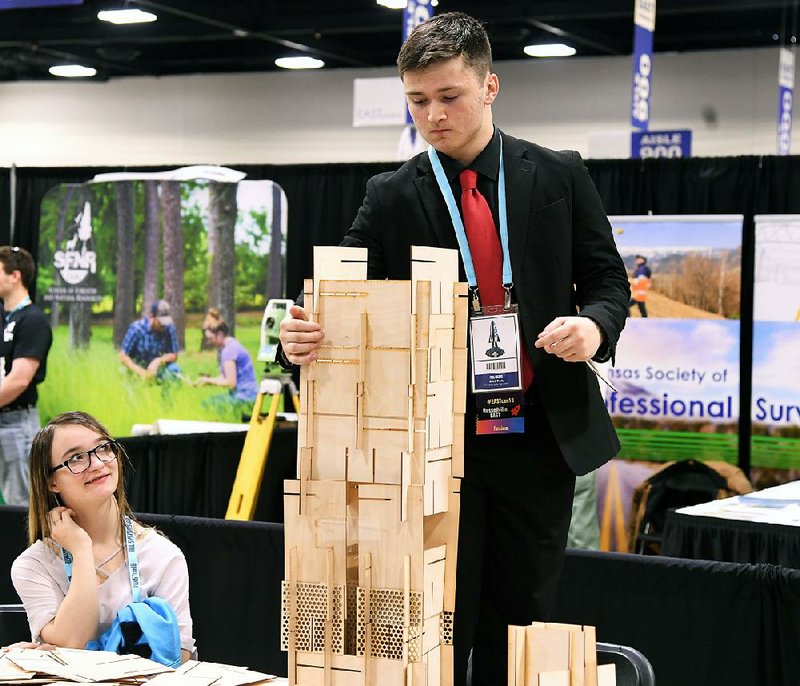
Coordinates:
[677,362]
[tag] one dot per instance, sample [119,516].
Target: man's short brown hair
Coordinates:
[19,260]
[446,36]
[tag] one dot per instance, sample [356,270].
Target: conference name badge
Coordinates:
[495,350]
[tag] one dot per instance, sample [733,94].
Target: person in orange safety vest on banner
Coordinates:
[640,284]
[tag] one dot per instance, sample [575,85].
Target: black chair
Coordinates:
[13,624]
[633,668]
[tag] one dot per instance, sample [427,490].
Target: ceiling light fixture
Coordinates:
[393,4]
[549,50]
[299,63]
[127,16]
[72,71]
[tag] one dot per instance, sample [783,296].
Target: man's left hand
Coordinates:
[153,367]
[573,339]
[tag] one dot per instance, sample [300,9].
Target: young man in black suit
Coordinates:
[571,290]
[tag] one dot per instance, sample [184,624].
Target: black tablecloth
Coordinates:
[193,474]
[699,623]
[730,540]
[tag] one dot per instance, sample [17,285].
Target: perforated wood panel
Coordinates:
[387,615]
[446,634]
[386,612]
[312,612]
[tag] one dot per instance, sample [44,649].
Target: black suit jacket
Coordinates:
[558,236]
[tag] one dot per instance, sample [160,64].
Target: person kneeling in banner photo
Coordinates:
[236,373]
[90,565]
[150,346]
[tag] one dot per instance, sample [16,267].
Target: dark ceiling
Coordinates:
[204,36]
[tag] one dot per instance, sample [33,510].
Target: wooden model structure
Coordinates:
[556,655]
[372,521]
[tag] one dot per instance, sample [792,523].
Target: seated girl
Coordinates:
[85,547]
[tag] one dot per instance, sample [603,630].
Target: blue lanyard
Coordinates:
[458,224]
[25,302]
[133,562]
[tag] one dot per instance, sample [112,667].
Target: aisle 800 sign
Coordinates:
[655,144]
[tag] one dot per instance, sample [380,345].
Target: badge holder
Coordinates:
[496,351]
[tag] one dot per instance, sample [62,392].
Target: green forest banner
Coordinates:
[199,238]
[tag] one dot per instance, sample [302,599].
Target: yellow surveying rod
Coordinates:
[250,472]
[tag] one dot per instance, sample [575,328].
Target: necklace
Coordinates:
[99,566]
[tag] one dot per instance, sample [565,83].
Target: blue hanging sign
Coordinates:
[644,25]
[415,13]
[785,101]
[654,144]
[24,4]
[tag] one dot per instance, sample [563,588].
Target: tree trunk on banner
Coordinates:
[212,295]
[80,314]
[275,272]
[173,256]
[124,297]
[60,226]
[222,210]
[213,240]
[152,245]
[80,328]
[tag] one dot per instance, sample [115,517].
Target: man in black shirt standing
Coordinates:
[27,338]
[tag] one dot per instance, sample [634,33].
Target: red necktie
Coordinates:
[487,254]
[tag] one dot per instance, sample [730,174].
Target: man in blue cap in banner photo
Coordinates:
[150,346]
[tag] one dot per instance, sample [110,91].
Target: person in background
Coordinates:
[235,371]
[27,338]
[150,346]
[640,285]
[78,505]
[571,289]
[584,527]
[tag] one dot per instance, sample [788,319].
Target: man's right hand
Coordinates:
[299,337]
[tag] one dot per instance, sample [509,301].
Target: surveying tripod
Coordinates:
[247,485]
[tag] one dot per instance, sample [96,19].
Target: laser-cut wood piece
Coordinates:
[555,654]
[373,517]
[337,264]
[555,678]
[607,675]
[590,656]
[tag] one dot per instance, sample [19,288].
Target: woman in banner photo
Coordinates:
[88,557]
[235,371]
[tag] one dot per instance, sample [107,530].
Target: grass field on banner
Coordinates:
[94,381]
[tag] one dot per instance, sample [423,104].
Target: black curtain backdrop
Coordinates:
[193,474]
[323,199]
